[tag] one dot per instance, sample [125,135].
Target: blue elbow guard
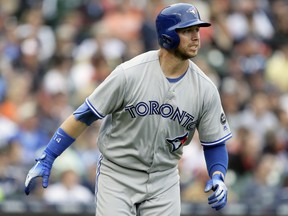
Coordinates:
[85,114]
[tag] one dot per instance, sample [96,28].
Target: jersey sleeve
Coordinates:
[213,127]
[109,95]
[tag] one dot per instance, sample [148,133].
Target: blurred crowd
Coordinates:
[53,53]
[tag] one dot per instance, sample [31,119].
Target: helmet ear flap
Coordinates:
[170,41]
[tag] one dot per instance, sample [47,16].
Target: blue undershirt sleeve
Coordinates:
[216,158]
[84,114]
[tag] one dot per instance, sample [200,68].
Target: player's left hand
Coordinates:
[218,198]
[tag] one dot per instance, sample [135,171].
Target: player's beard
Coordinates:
[182,54]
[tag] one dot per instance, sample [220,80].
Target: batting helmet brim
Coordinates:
[199,23]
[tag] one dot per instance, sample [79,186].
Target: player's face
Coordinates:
[189,42]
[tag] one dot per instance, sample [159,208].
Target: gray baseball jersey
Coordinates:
[148,119]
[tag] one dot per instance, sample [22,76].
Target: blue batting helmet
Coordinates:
[176,16]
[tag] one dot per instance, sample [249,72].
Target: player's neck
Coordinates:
[172,66]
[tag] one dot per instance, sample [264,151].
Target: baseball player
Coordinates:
[151,106]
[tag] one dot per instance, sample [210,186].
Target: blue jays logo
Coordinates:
[191,10]
[178,141]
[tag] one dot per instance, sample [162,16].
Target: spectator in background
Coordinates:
[276,70]
[8,130]
[220,10]
[278,12]
[32,25]
[89,153]
[257,117]
[68,189]
[11,170]
[265,181]
[8,183]
[249,18]
[148,31]
[245,153]
[55,97]
[29,134]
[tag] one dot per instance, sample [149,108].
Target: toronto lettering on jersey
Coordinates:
[165,110]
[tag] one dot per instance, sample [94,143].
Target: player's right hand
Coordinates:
[41,169]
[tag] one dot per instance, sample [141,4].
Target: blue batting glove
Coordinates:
[41,169]
[218,199]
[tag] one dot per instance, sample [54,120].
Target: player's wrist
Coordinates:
[218,175]
[58,143]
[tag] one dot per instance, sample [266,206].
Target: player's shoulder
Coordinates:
[141,60]
[200,75]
